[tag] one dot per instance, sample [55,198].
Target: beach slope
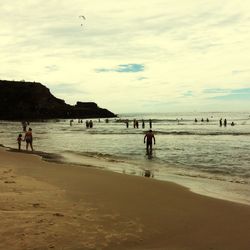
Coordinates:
[45,205]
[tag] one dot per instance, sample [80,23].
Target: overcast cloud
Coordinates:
[164,55]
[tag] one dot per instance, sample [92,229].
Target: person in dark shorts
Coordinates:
[149,136]
[29,138]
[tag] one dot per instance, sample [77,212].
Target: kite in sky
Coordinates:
[83,18]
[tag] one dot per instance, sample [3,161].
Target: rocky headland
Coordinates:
[33,101]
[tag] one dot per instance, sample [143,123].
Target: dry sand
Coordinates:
[46,205]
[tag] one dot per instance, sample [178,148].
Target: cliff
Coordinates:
[32,100]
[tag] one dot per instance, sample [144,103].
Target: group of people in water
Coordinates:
[221,122]
[89,124]
[149,137]
[225,123]
[136,123]
[28,137]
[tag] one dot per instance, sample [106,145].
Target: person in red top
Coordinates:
[29,138]
[150,137]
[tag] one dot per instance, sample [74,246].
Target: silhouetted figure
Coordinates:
[134,123]
[150,123]
[149,136]
[19,141]
[195,120]
[137,124]
[107,120]
[225,122]
[232,124]
[29,139]
[202,120]
[207,120]
[220,122]
[24,125]
[87,124]
[127,124]
[91,124]
[143,124]
[147,173]
[70,122]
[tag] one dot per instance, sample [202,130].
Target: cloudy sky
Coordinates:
[144,55]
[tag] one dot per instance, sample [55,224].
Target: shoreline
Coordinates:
[210,187]
[51,205]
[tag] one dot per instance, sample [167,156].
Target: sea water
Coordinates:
[204,156]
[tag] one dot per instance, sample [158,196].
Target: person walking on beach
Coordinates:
[19,141]
[29,138]
[149,136]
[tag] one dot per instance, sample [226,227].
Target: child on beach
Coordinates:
[19,140]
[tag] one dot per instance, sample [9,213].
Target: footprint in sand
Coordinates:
[9,182]
[36,205]
[58,214]
[7,171]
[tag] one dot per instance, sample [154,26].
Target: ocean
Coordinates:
[208,158]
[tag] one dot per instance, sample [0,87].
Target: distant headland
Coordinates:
[33,101]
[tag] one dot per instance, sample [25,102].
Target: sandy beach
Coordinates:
[46,205]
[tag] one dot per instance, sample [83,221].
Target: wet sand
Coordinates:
[45,205]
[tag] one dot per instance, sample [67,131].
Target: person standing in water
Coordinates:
[127,123]
[143,123]
[150,123]
[220,122]
[149,136]
[225,122]
[29,139]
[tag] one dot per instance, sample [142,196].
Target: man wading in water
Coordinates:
[150,137]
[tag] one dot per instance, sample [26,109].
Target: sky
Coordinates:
[132,56]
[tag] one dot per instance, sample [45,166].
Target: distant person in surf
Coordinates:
[225,122]
[220,122]
[143,123]
[127,124]
[24,125]
[29,139]
[87,124]
[91,124]
[150,123]
[149,137]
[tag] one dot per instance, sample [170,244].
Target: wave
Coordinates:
[97,155]
[160,132]
[201,133]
